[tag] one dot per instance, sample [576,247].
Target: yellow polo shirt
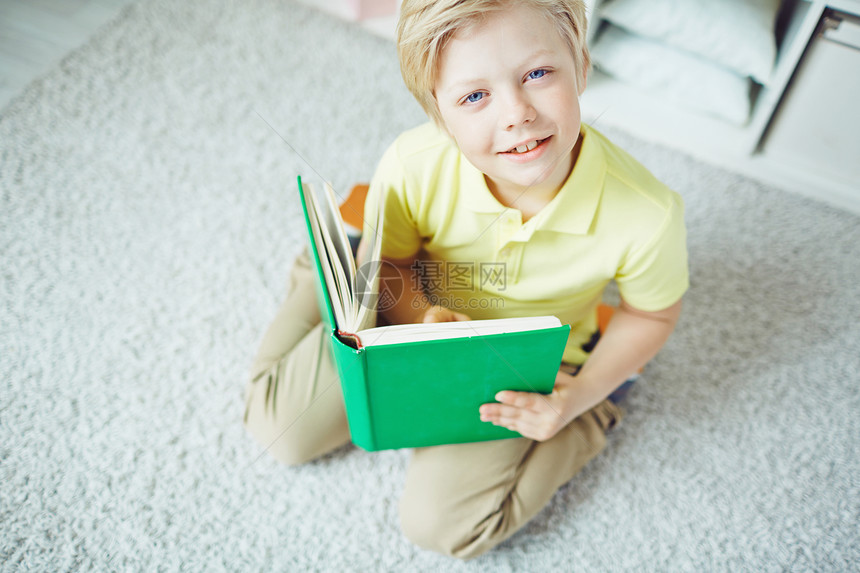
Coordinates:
[611,220]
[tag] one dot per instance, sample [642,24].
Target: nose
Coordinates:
[518,111]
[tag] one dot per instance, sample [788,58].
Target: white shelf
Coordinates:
[607,101]
[799,22]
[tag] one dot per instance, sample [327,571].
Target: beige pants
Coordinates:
[458,500]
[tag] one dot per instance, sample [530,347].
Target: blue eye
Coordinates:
[536,74]
[475,97]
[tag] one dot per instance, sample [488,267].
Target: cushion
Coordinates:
[686,79]
[738,34]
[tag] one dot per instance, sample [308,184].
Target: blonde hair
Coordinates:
[426,26]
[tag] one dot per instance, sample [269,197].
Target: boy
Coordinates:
[504,175]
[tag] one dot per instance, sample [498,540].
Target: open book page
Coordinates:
[400,333]
[328,278]
[367,277]
[336,231]
[343,283]
[359,286]
[352,291]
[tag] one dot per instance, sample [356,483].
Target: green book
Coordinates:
[416,385]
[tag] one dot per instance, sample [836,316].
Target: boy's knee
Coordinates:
[294,436]
[292,453]
[425,526]
[276,437]
[280,445]
[429,525]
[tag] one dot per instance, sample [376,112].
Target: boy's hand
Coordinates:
[532,414]
[442,314]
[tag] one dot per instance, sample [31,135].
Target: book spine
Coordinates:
[353,340]
[352,370]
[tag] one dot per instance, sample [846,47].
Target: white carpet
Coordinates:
[149,219]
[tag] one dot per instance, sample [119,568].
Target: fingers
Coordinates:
[431,317]
[526,400]
[442,314]
[535,416]
[504,413]
[538,428]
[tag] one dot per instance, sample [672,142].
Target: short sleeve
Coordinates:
[400,237]
[656,275]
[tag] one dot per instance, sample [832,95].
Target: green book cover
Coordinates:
[405,391]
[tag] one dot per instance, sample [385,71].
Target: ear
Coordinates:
[583,73]
[583,81]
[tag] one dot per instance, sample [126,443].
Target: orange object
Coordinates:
[352,210]
[604,315]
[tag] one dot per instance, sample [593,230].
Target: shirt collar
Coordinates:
[571,211]
[477,197]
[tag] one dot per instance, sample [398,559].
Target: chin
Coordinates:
[532,178]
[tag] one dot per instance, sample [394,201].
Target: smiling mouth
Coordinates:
[526,147]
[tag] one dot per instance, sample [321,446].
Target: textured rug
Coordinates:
[148,219]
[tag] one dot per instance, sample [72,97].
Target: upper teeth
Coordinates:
[527,147]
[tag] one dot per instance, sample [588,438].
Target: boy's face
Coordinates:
[508,93]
